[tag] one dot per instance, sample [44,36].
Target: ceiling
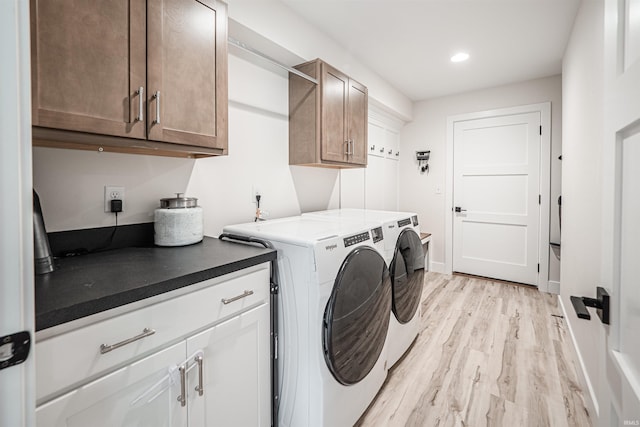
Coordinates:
[409,42]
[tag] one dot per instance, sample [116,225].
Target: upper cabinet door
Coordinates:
[88,63]
[358,122]
[187,72]
[335,92]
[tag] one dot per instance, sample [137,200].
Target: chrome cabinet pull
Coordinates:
[353,149]
[105,348]
[156,96]
[200,386]
[183,386]
[347,149]
[226,301]
[140,93]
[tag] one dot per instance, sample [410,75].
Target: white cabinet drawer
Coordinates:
[72,358]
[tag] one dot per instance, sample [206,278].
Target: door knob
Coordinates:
[601,303]
[459,209]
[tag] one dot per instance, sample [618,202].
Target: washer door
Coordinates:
[356,318]
[407,274]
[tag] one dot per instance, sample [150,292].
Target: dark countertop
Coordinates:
[93,283]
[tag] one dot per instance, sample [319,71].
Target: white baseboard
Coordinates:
[553,287]
[437,267]
[591,399]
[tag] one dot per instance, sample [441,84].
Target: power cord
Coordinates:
[116,206]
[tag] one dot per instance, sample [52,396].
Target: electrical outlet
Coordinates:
[254,191]
[111,193]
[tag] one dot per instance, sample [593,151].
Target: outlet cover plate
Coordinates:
[112,192]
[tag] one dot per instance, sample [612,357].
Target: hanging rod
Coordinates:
[249,49]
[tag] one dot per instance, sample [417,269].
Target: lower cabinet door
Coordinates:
[112,400]
[236,372]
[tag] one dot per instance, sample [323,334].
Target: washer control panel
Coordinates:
[404,222]
[356,238]
[376,233]
[415,220]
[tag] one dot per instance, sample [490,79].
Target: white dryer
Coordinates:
[405,258]
[335,296]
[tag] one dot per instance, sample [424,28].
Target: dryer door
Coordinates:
[407,275]
[356,318]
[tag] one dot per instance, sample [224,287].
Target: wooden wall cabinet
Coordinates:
[327,121]
[131,76]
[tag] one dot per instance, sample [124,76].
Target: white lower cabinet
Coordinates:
[107,401]
[236,371]
[229,326]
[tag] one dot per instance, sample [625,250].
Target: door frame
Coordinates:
[544,109]
[17,383]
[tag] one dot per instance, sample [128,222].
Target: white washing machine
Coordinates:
[335,298]
[405,258]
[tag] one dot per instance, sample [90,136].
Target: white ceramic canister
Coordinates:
[178,222]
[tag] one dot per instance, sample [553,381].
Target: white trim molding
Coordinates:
[553,287]
[591,400]
[545,182]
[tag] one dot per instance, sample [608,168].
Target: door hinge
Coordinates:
[539,199]
[14,349]
[538,267]
[540,130]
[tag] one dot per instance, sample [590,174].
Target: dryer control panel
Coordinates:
[404,222]
[356,238]
[376,233]
[414,219]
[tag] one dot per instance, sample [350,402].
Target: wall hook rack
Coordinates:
[423,160]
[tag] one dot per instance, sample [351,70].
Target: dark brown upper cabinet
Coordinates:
[130,76]
[327,121]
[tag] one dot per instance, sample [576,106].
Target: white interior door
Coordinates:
[620,400]
[496,164]
[17,383]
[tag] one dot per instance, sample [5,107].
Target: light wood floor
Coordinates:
[488,354]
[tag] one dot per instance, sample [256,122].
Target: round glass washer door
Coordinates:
[407,275]
[356,318]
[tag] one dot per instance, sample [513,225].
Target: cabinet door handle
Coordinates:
[140,93]
[353,150]
[105,348]
[347,149]
[183,386]
[226,301]
[200,386]
[156,96]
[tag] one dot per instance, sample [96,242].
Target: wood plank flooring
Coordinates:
[489,354]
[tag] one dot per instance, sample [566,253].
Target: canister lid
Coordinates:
[179,202]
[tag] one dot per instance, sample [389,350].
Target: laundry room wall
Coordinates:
[583,124]
[424,192]
[71,182]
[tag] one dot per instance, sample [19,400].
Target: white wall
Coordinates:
[424,193]
[582,130]
[277,22]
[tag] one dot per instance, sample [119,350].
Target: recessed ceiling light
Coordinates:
[460,57]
